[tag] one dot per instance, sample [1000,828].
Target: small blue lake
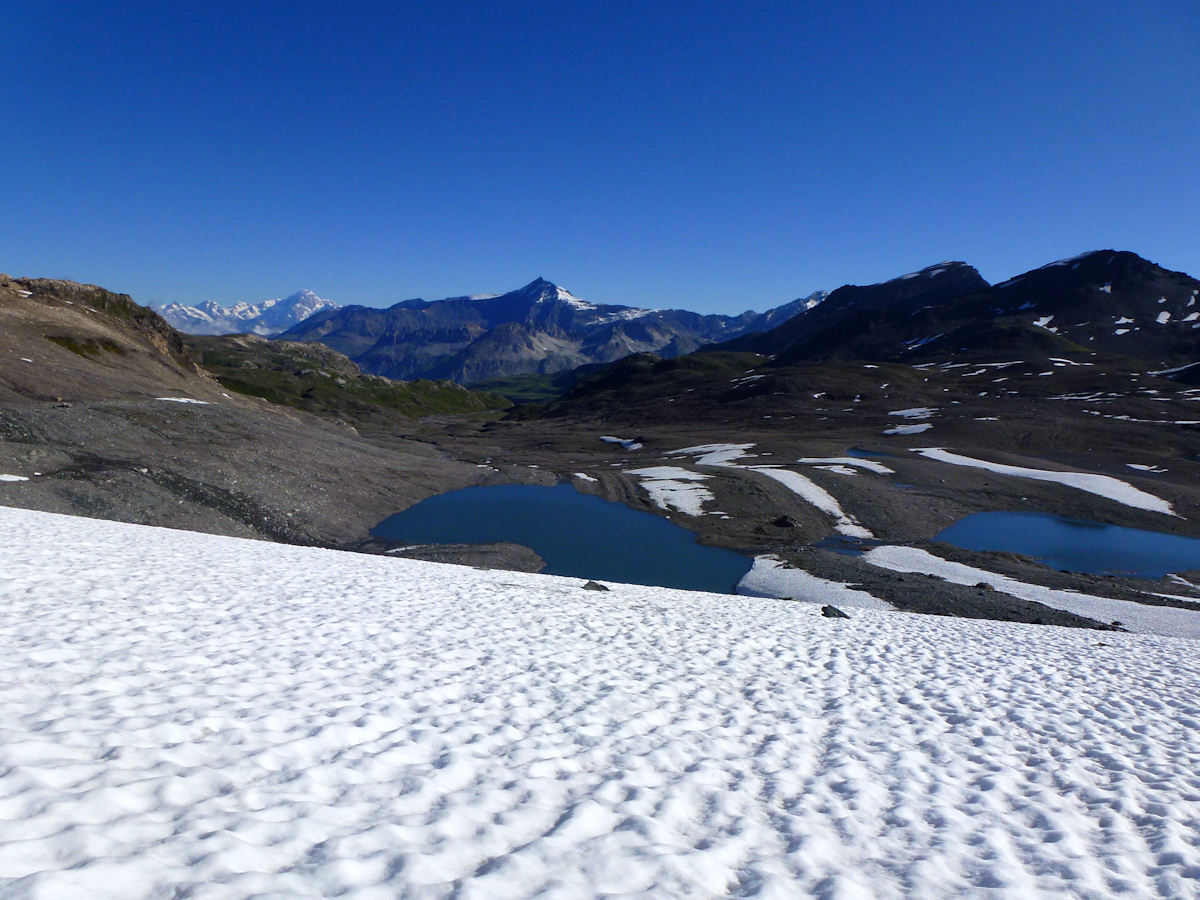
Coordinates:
[576,534]
[1074,545]
[860,453]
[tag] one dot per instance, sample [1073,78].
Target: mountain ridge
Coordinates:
[265,318]
[541,328]
[1108,301]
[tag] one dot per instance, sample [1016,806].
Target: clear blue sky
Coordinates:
[712,156]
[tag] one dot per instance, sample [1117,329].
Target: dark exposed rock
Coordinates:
[594,586]
[832,612]
[1107,301]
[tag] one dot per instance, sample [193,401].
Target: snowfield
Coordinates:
[190,715]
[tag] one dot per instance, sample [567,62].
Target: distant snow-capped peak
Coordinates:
[267,317]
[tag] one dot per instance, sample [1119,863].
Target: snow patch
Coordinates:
[816,495]
[771,577]
[627,443]
[1101,485]
[672,488]
[909,429]
[917,412]
[714,454]
[869,464]
[1138,617]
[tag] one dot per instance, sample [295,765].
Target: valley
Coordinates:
[827,470]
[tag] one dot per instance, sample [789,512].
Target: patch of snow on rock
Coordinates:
[1145,619]
[869,464]
[1101,485]
[627,443]
[714,454]
[771,577]
[816,495]
[909,429]
[673,488]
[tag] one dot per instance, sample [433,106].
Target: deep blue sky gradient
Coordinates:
[713,156]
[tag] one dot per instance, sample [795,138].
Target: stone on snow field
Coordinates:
[214,717]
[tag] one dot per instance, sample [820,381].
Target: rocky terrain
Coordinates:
[104,411]
[852,397]
[809,458]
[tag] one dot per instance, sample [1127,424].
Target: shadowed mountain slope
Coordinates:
[1106,301]
[538,329]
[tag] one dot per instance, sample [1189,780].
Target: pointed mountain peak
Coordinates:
[304,296]
[539,285]
[543,291]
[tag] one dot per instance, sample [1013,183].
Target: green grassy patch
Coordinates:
[317,379]
[87,347]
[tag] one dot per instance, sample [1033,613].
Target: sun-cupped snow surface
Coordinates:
[673,488]
[1101,485]
[190,715]
[1144,618]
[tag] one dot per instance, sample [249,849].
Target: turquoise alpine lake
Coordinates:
[576,534]
[1074,545]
